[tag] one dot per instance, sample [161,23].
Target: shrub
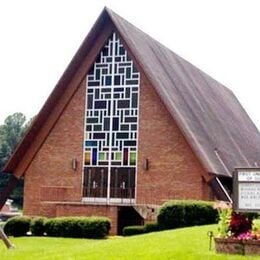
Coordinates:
[151,227]
[38,226]
[78,227]
[133,230]
[171,215]
[224,221]
[239,224]
[183,213]
[256,225]
[17,226]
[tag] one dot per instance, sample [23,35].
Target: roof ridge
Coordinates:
[149,51]
[112,13]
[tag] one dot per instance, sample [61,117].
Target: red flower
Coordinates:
[239,224]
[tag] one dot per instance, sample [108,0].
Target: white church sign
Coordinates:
[246,188]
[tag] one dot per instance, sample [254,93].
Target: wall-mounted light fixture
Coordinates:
[74,164]
[146,164]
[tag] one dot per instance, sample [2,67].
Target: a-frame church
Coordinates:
[130,125]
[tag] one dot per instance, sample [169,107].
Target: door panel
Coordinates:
[122,183]
[95,182]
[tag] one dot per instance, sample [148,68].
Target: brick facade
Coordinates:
[50,176]
[168,166]
[175,168]
[90,210]
[174,171]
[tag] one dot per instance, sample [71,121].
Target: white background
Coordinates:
[39,38]
[249,196]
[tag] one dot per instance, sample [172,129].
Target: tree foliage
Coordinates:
[11,133]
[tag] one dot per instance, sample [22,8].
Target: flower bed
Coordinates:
[238,234]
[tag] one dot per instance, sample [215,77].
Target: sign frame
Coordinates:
[244,179]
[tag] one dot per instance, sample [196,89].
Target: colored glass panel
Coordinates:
[132,158]
[99,135]
[117,80]
[94,156]
[125,160]
[108,80]
[100,104]
[90,143]
[122,135]
[118,156]
[106,124]
[123,104]
[101,156]
[115,123]
[87,158]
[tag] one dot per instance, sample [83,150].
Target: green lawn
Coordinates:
[186,243]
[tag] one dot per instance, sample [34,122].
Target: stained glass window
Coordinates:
[111,122]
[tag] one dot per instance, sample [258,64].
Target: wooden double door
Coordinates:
[121,179]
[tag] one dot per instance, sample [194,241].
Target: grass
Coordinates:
[185,243]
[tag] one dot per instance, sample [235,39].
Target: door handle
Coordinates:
[122,186]
[94,185]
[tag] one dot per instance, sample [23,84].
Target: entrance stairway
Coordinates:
[147,211]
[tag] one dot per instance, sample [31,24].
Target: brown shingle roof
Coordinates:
[213,121]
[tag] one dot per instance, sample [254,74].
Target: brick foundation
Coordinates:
[89,210]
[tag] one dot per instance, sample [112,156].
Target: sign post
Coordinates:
[246,189]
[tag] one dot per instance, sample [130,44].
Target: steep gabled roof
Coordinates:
[211,118]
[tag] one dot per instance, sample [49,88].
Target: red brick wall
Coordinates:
[90,210]
[50,176]
[174,171]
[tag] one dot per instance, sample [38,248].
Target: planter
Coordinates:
[229,246]
[235,246]
[252,247]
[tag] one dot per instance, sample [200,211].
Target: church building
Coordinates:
[128,126]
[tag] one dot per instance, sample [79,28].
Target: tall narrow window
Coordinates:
[110,146]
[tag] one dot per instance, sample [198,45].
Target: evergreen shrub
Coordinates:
[184,213]
[38,226]
[17,226]
[152,227]
[133,230]
[78,227]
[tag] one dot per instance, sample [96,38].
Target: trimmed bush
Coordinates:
[133,230]
[184,213]
[171,216]
[38,226]
[17,226]
[78,227]
[151,227]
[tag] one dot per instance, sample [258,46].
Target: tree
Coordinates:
[11,133]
